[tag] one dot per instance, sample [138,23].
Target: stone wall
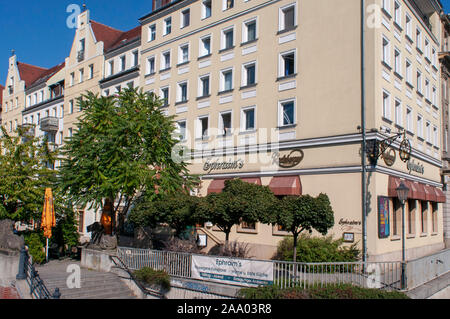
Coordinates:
[9,264]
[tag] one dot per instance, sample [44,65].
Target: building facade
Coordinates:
[258,93]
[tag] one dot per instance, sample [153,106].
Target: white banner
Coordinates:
[242,272]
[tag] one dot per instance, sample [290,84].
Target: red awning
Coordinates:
[420,194]
[286,185]
[412,189]
[441,198]
[430,193]
[216,186]
[394,182]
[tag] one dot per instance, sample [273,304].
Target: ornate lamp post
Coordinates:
[402,193]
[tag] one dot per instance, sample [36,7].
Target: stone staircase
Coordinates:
[94,285]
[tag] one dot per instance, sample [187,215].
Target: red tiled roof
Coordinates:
[9,293]
[29,73]
[106,34]
[48,74]
[126,37]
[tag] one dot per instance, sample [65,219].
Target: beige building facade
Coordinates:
[259,94]
[263,92]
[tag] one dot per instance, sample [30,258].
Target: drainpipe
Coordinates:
[363,128]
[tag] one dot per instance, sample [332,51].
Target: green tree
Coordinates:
[238,202]
[176,210]
[122,149]
[25,174]
[305,213]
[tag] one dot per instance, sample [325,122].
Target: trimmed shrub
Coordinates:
[231,249]
[330,291]
[317,249]
[153,277]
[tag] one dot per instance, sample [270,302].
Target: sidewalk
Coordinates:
[9,293]
[437,288]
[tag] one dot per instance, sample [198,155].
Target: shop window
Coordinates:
[411,217]
[434,217]
[423,217]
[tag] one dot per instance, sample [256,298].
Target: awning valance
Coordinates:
[218,185]
[286,185]
[418,191]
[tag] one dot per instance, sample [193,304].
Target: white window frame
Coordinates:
[386,5]
[152,33]
[281,63]
[419,39]
[409,119]
[91,71]
[386,105]
[408,71]
[223,38]
[244,118]
[398,61]
[225,3]
[202,51]
[204,9]
[398,112]
[161,94]
[428,131]
[166,25]
[180,53]
[163,59]
[398,12]
[245,29]
[281,21]
[179,91]
[281,115]
[420,126]
[200,85]
[198,131]
[222,79]
[182,16]
[419,81]
[244,79]
[435,136]
[148,65]
[221,123]
[408,26]
[386,50]
[178,131]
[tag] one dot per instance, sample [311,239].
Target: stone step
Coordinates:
[84,292]
[65,289]
[106,295]
[63,279]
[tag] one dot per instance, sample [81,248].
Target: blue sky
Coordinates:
[37,30]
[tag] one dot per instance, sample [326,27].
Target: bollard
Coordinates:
[56,294]
[22,260]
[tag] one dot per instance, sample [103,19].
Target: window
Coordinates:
[398,113]
[428,130]
[420,126]
[185,18]
[398,13]
[386,5]
[72,79]
[249,31]
[165,95]
[204,89]
[118,89]
[423,217]
[411,217]
[408,27]
[91,71]
[249,74]
[408,72]
[225,123]
[434,217]
[228,4]
[398,62]
[165,62]
[287,18]
[35,99]
[167,26]
[182,130]
[419,82]
[151,65]
[41,93]
[130,85]
[183,53]
[434,96]
[409,119]
[386,51]
[287,113]
[182,92]
[227,80]
[228,38]
[206,9]
[61,111]
[435,136]
[70,132]
[17,99]
[111,68]
[152,32]
[427,89]
[386,105]
[203,126]
[427,50]
[419,40]
[106,92]
[205,46]
[287,61]
[28,103]
[396,217]
[123,63]
[248,119]
[71,107]
[135,58]
[81,75]
[433,57]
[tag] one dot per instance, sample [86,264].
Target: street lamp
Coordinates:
[402,193]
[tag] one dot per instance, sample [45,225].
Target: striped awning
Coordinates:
[418,191]
[286,185]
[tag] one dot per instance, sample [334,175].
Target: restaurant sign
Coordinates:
[217,165]
[415,167]
[294,158]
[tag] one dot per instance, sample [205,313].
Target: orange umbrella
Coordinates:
[48,216]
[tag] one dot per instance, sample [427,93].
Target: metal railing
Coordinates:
[425,269]
[38,290]
[383,275]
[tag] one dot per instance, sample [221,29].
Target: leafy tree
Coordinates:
[305,213]
[238,202]
[176,210]
[122,149]
[25,174]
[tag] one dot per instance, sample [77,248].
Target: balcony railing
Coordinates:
[49,124]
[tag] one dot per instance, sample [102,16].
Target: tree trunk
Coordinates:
[295,247]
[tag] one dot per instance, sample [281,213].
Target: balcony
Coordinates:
[80,56]
[49,124]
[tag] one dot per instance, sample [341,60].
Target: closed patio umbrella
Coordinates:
[48,217]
